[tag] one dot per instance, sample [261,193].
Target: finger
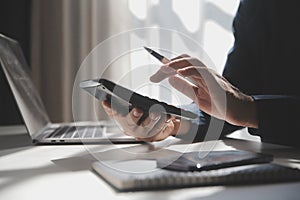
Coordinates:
[193,72]
[128,134]
[161,74]
[106,104]
[131,127]
[158,76]
[200,75]
[151,129]
[180,56]
[159,124]
[107,108]
[165,131]
[144,131]
[172,67]
[136,114]
[184,86]
[140,131]
[142,119]
[129,122]
[150,120]
[184,62]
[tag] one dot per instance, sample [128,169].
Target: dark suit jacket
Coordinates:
[264,63]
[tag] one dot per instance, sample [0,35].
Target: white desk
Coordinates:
[63,172]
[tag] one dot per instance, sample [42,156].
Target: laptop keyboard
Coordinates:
[77,132]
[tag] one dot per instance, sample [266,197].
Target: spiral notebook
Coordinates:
[159,178]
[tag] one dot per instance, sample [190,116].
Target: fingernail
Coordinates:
[136,113]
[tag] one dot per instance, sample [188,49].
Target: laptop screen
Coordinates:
[17,73]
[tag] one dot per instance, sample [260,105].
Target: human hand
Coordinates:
[211,92]
[155,127]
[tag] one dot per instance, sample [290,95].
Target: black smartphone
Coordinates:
[192,161]
[123,99]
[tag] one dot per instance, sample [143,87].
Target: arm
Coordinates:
[278,116]
[244,63]
[274,118]
[198,128]
[279,119]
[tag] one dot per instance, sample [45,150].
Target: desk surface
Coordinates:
[64,172]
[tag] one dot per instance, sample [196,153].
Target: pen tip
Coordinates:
[149,50]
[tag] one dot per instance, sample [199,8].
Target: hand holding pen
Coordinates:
[211,92]
[166,71]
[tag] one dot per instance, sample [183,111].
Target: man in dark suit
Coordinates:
[259,88]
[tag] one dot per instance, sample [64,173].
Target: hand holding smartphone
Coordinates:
[123,99]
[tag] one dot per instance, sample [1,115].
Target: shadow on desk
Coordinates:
[134,152]
[81,161]
[14,141]
[253,192]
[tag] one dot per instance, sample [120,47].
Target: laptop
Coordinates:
[35,117]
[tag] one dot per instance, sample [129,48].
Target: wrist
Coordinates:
[250,118]
[244,112]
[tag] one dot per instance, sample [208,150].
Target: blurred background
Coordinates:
[57,35]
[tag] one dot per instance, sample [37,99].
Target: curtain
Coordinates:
[66,32]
